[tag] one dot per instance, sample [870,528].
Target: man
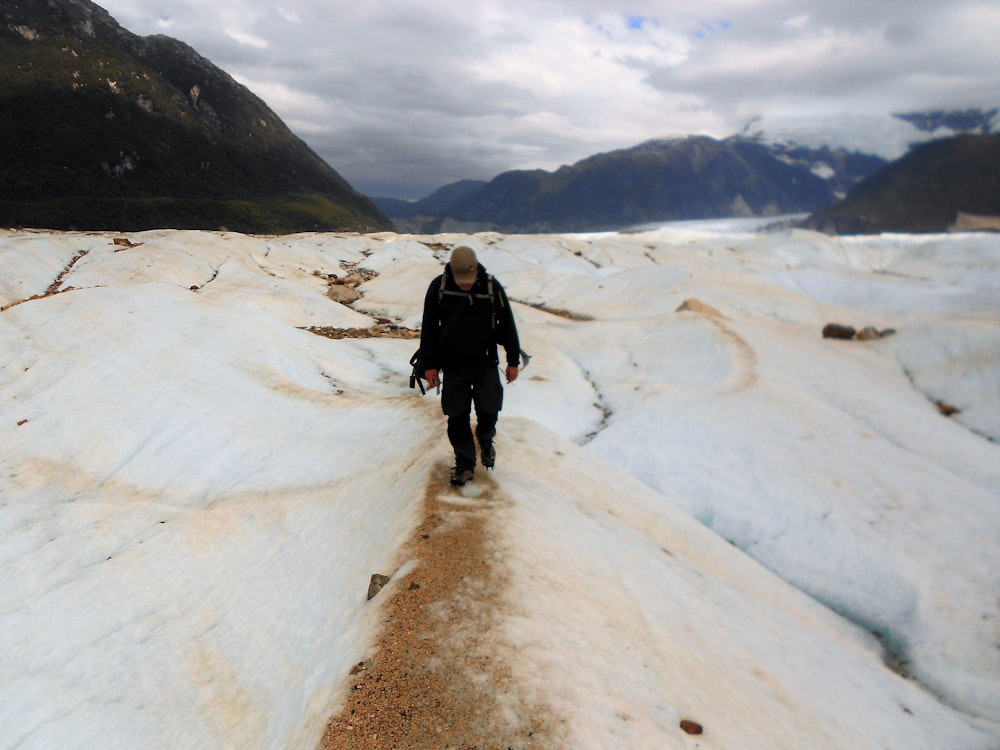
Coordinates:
[466,314]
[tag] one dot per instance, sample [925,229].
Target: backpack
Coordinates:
[416,361]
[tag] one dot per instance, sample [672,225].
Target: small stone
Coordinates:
[947,409]
[838,331]
[691,727]
[868,333]
[376,584]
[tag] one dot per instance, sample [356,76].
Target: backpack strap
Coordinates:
[493,310]
[489,286]
[472,297]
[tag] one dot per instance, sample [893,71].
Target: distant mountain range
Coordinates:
[886,136]
[437,203]
[757,173]
[978,121]
[925,191]
[100,128]
[659,180]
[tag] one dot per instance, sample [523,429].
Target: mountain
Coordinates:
[842,169]
[660,180]
[889,136]
[922,192]
[958,121]
[102,128]
[771,167]
[424,215]
[397,208]
[444,198]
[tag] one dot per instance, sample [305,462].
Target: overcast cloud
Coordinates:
[402,97]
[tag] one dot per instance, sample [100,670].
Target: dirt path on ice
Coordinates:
[441,676]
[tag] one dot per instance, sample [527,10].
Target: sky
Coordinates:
[403,97]
[709,513]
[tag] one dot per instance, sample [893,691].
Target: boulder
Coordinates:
[345,295]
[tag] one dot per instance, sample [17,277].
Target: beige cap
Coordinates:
[464,265]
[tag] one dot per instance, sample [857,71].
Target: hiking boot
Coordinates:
[461,476]
[489,454]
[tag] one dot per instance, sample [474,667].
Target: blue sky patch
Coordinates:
[708,28]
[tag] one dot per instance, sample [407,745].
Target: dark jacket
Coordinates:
[460,330]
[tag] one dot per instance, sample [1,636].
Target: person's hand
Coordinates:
[431,376]
[512,373]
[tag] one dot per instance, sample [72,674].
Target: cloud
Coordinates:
[391,92]
[248,39]
[861,57]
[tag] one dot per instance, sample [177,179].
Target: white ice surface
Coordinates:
[717,516]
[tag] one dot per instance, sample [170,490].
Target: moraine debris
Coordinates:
[847,333]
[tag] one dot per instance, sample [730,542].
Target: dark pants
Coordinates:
[459,391]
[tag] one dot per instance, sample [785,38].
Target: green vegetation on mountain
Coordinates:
[102,129]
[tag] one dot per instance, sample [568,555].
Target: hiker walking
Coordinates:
[466,314]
